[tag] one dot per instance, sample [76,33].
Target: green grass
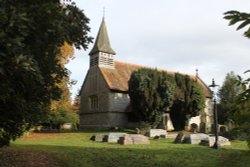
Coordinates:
[76,150]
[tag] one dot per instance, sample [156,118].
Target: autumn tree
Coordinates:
[61,110]
[64,102]
[32,33]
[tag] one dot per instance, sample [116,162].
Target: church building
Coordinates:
[105,102]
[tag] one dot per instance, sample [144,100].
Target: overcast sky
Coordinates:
[177,35]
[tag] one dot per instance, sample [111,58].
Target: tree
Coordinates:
[76,102]
[59,117]
[151,93]
[189,101]
[64,102]
[228,96]
[61,110]
[244,20]
[239,17]
[32,33]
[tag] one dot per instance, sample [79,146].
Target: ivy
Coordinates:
[153,93]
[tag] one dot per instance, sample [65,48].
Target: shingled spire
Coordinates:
[102,43]
[102,54]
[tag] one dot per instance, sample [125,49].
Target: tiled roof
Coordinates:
[117,78]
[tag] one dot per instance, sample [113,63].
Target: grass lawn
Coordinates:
[76,150]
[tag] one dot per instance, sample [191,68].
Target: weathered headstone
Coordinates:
[99,137]
[133,139]
[167,122]
[222,141]
[157,132]
[125,140]
[196,138]
[171,136]
[230,124]
[179,138]
[113,137]
[139,139]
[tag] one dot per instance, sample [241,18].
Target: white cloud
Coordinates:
[175,35]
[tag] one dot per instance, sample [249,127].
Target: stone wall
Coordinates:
[205,119]
[94,85]
[111,105]
[118,102]
[102,120]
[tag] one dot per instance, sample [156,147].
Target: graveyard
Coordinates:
[146,101]
[76,149]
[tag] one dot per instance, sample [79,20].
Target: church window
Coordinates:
[93,102]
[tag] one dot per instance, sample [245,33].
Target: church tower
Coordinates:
[102,55]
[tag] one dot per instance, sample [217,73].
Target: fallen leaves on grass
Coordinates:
[35,136]
[24,158]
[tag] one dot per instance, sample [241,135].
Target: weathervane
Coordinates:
[103,14]
[197,73]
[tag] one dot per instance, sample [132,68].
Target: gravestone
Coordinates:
[179,138]
[113,137]
[133,139]
[139,139]
[196,138]
[167,122]
[125,140]
[171,136]
[230,124]
[99,137]
[157,132]
[222,141]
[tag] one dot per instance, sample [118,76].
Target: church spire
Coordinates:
[102,43]
[102,55]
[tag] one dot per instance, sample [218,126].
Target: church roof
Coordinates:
[102,43]
[117,78]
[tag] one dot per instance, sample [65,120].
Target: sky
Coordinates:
[177,35]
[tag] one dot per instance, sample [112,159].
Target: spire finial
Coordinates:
[102,43]
[197,73]
[103,14]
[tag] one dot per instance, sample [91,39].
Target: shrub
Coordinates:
[60,117]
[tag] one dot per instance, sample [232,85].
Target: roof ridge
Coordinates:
[158,69]
[130,64]
[117,78]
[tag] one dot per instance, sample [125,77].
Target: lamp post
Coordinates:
[216,143]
